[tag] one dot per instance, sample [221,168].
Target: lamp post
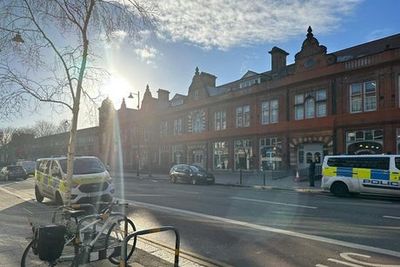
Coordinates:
[137,137]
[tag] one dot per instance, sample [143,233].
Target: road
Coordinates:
[248,227]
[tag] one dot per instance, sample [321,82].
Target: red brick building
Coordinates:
[342,102]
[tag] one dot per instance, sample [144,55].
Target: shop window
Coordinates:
[308,157]
[221,156]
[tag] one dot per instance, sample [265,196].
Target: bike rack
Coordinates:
[152,231]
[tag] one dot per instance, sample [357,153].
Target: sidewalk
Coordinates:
[251,179]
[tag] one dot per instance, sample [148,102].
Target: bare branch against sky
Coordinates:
[55,56]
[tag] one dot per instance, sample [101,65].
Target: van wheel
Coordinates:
[59,200]
[339,189]
[39,197]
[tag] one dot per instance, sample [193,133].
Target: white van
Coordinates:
[370,174]
[91,182]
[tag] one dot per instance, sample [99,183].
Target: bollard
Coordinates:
[240,177]
[264,178]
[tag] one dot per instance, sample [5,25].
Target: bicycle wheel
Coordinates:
[30,257]
[116,235]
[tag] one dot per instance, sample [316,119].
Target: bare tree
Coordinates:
[6,135]
[53,58]
[44,128]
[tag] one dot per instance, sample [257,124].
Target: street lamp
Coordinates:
[138,98]
[137,137]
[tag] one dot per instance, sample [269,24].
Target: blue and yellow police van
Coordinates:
[91,181]
[370,174]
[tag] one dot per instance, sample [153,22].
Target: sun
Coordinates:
[116,88]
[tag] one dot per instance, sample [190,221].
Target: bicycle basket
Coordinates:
[50,241]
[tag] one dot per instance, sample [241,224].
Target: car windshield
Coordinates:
[84,166]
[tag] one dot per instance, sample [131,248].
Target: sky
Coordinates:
[226,38]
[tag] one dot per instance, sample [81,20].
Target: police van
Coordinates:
[370,174]
[91,182]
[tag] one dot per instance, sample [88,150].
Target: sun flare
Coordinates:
[117,88]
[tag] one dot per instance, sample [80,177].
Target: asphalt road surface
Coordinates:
[249,227]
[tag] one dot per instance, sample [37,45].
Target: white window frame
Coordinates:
[363,97]
[243,116]
[220,120]
[269,111]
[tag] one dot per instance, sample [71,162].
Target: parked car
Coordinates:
[12,172]
[190,174]
[29,166]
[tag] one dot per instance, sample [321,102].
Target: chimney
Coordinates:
[163,95]
[278,59]
[208,79]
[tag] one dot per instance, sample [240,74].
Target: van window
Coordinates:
[379,163]
[84,166]
[48,165]
[397,162]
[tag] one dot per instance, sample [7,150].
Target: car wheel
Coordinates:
[339,189]
[39,197]
[173,180]
[58,199]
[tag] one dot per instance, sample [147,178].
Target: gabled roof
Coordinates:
[369,48]
[248,74]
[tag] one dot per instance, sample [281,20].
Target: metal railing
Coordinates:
[151,231]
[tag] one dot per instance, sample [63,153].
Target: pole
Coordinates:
[263,177]
[240,176]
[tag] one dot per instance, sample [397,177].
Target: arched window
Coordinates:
[310,107]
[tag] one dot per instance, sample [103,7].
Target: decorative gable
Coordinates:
[200,83]
[312,54]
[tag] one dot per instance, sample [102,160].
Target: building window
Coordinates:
[310,105]
[299,107]
[196,121]
[164,128]
[243,116]
[269,112]
[363,97]
[220,120]
[221,156]
[178,126]
[364,142]
[178,154]
[249,83]
[270,153]
[243,154]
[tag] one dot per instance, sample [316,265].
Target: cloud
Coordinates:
[147,53]
[223,23]
[376,34]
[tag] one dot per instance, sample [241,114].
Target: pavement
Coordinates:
[252,179]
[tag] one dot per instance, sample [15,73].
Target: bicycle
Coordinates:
[79,238]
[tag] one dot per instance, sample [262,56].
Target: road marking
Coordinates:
[273,202]
[320,265]
[267,228]
[391,217]
[184,191]
[344,263]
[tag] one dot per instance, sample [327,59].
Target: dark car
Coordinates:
[190,174]
[13,172]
